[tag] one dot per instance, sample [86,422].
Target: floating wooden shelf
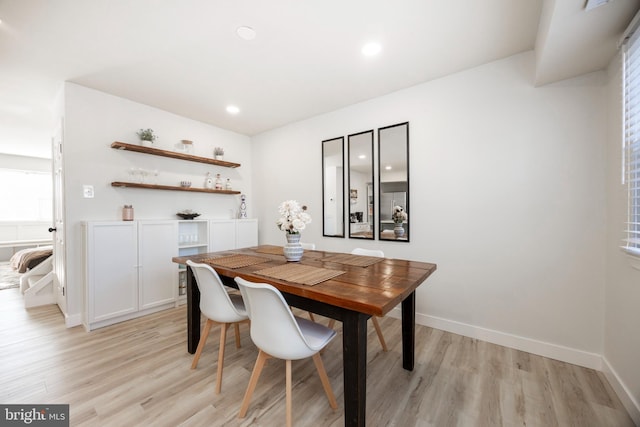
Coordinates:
[173,155]
[169,187]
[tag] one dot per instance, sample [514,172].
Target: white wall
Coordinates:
[507,197]
[93,120]
[622,307]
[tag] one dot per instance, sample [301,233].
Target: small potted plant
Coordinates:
[146,137]
[218,153]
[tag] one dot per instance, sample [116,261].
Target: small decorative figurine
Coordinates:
[243,207]
[218,182]
[208,182]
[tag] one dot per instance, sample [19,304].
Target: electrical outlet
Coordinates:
[87,191]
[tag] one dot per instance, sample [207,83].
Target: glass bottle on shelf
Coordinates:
[218,182]
[208,182]
[227,186]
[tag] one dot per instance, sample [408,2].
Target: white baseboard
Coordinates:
[541,348]
[631,405]
[73,320]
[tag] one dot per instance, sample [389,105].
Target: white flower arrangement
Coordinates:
[399,215]
[293,217]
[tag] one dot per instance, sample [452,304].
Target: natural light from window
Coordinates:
[25,195]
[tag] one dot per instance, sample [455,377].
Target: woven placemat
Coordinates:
[356,260]
[235,261]
[271,250]
[302,274]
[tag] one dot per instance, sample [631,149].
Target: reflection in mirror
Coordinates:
[333,187]
[393,168]
[361,219]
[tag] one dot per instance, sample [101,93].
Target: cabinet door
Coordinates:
[112,270]
[157,273]
[222,235]
[246,233]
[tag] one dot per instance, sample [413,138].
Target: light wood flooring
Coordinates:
[137,373]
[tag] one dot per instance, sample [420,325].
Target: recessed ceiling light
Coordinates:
[388,168]
[371,49]
[362,156]
[246,33]
[232,109]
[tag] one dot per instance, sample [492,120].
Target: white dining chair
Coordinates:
[374,319]
[218,306]
[278,333]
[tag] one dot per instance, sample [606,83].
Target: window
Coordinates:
[25,195]
[631,151]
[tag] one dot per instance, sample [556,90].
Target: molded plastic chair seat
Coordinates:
[218,306]
[278,333]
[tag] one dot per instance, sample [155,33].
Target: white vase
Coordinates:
[146,143]
[398,230]
[293,249]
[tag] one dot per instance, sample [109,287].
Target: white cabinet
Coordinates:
[156,271]
[222,235]
[226,234]
[246,233]
[111,271]
[128,269]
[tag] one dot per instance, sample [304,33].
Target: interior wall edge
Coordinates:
[631,405]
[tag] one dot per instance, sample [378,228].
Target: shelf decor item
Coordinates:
[218,153]
[243,206]
[186,146]
[147,137]
[208,181]
[188,214]
[293,219]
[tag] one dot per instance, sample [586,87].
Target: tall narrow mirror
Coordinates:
[361,200]
[393,169]
[333,187]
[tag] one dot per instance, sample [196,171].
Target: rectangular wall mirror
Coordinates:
[361,200]
[393,169]
[333,187]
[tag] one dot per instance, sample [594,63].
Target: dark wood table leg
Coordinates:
[193,312]
[354,354]
[408,331]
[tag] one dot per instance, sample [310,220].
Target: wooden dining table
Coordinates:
[341,286]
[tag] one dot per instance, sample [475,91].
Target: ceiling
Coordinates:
[185,57]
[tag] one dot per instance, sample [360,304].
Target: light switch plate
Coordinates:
[87,191]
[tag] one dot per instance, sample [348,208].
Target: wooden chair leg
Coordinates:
[288,392]
[325,381]
[332,323]
[257,369]
[203,341]
[223,339]
[311,316]
[376,325]
[236,328]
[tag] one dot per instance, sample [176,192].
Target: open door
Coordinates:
[59,264]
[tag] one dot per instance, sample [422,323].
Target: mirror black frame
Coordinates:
[339,193]
[370,194]
[396,188]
